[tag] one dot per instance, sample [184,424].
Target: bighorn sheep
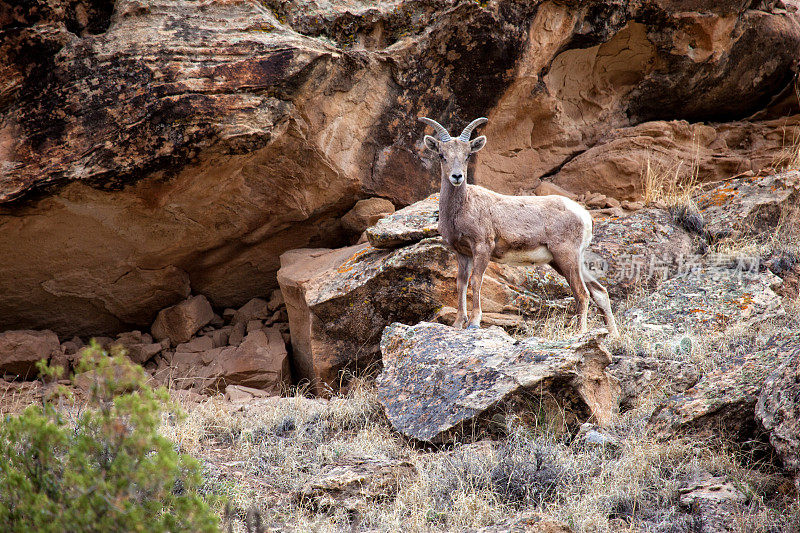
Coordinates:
[482,226]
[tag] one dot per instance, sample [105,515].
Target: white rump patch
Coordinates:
[537,256]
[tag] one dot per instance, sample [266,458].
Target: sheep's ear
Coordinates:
[431,143]
[477,144]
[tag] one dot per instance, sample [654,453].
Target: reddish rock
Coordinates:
[179,322]
[260,362]
[21,350]
[255,309]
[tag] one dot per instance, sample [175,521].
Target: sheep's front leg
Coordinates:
[480,260]
[464,272]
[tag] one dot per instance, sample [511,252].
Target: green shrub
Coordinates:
[107,469]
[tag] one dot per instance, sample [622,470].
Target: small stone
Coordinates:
[217,321]
[237,334]
[366,213]
[632,206]
[219,338]
[255,309]
[546,188]
[179,322]
[276,300]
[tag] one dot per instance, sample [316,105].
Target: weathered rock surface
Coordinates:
[438,381]
[166,147]
[355,485]
[743,207]
[676,149]
[715,501]
[179,322]
[707,299]
[638,251]
[340,300]
[411,224]
[21,350]
[642,376]
[778,409]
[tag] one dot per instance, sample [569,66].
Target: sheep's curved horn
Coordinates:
[467,133]
[442,133]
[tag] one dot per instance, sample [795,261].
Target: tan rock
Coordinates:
[241,394]
[179,322]
[355,485]
[366,213]
[259,362]
[20,351]
[546,188]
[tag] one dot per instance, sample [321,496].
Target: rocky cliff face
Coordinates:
[153,148]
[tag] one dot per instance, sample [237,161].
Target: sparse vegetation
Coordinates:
[101,466]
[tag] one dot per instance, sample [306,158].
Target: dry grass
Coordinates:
[668,182]
[257,457]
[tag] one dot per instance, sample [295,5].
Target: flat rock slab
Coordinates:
[748,205]
[438,380]
[418,221]
[355,484]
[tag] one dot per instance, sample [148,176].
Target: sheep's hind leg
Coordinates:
[600,297]
[570,267]
[480,260]
[462,280]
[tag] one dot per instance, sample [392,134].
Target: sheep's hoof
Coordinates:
[473,326]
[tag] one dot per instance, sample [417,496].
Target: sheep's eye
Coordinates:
[441,156]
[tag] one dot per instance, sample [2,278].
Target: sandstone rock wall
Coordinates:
[157,148]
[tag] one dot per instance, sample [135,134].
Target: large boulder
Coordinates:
[340,300]
[778,409]
[438,382]
[153,148]
[21,350]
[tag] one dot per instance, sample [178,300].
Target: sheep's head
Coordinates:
[454,153]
